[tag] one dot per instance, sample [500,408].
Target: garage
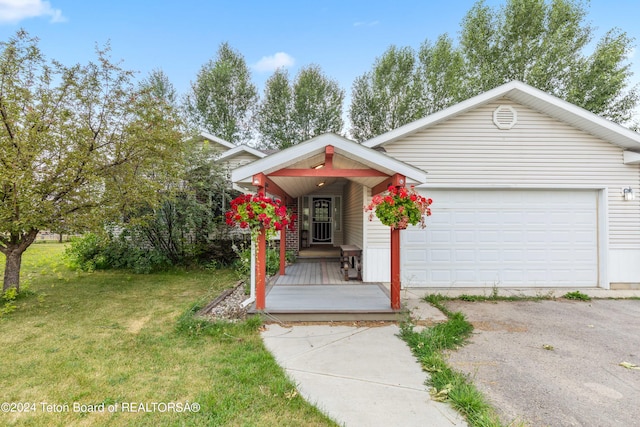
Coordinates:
[504,238]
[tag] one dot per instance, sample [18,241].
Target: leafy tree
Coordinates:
[160,86]
[387,96]
[543,44]
[223,96]
[294,112]
[317,104]
[274,112]
[540,43]
[78,145]
[441,80]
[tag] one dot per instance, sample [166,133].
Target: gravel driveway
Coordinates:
[555,363]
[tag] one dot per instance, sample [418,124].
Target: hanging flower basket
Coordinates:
[399,207]
[258,211]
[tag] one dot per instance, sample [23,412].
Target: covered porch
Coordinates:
[326,181]
[314,289]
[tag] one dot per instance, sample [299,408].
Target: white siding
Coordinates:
[237,161]
[538,152]
[352,202]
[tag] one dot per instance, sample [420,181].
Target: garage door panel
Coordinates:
[439,236]
[464,255]
[506,238]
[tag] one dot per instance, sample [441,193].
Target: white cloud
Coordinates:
[366,24]
[272,63]
[13,11]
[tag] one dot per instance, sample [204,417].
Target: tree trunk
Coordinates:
[12,270]
[13,249]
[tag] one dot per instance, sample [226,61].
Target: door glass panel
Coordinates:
[321,220]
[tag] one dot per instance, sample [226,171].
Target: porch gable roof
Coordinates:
[343,148]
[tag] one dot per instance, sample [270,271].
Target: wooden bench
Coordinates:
[346,252]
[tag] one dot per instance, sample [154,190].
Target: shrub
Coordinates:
[92,252]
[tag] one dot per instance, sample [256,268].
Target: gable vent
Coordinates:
[505,117]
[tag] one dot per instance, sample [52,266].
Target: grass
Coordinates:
[131,341]
[577,295]
[429,346]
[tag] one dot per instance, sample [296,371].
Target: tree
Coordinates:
[273,118]
[317,104]
[440,76]
[539,43]
[294,112]
[78,145]
[543,44]
[160,86]
[386,97]
[222,97]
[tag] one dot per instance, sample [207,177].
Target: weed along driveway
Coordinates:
[555,363]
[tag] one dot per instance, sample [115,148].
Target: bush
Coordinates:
[92,252]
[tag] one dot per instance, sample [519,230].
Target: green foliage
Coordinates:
[223,96]
[92,252]
[9,296]
[78,145]
[386,97]
[274,112]
[429,346]
[291,113]
[543,44]
[243,264]
[189,323]
[577,295]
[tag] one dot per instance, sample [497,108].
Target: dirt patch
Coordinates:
[136,325]
[555,363]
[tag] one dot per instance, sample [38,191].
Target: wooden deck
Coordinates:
[322,272]
[314,290]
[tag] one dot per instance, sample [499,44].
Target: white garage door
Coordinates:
[504,238]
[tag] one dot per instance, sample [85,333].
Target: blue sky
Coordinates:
[342,36]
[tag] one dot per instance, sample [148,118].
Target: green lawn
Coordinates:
[112,338]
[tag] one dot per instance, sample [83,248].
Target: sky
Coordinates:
[343,37]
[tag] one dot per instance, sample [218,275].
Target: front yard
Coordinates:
[108,348]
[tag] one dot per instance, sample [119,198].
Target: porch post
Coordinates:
[283,248]
[261,267]
[395,268]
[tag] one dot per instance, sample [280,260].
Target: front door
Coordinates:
[321,220]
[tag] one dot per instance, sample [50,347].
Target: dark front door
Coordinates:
[321,220]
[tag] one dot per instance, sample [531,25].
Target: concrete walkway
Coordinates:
[367,376]
[359,376]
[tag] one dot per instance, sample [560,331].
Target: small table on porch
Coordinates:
[346,252]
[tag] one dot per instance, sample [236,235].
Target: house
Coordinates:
[230,155]
[528,191]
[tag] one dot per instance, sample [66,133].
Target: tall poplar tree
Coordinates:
[292,112]
[543,44]
[223,97]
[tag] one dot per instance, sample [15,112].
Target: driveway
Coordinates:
[555,363]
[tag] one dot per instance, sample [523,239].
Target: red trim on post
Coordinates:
[283,249]
[259,180]
[261,270]
[395,180]
[328,156]
[395,269]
